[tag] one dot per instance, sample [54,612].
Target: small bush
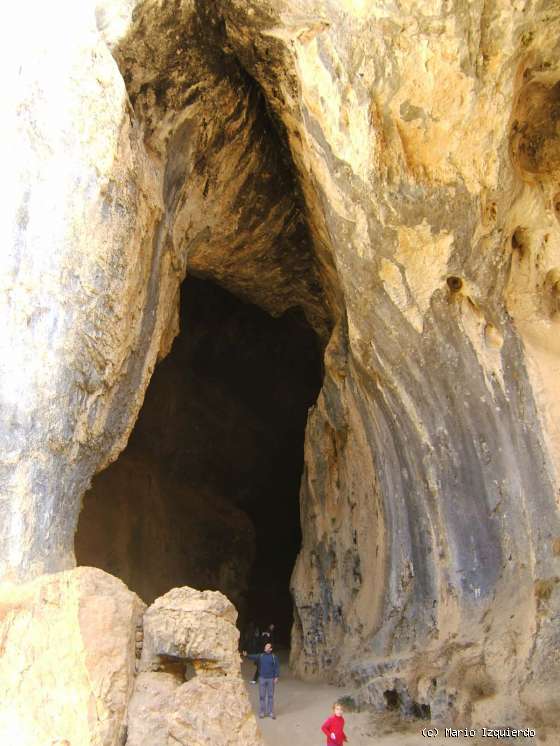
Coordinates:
[348,703]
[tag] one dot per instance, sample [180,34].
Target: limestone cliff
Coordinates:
[393,169]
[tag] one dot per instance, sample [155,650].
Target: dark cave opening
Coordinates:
[206,493]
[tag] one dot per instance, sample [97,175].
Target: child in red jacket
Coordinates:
[333,727]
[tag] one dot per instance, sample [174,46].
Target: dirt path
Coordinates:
[301,708]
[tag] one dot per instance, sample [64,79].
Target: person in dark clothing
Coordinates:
[268,634]
[255,647]
[269,673]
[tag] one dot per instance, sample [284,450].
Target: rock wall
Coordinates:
[91,302]
[67,669]
[392,169]
[152,531]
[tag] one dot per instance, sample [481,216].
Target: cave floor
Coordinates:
[301,708]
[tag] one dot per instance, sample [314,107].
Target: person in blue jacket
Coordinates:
[269,673]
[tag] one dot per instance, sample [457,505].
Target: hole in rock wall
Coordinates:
[421,711]
[206,493]
[392,699]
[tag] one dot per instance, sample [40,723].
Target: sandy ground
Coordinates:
[301,708]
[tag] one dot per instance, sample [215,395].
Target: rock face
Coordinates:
[196,628]
[69,655]
[68,659]
[390,168]
[149,709]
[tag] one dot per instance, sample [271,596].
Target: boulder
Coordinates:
[149,709]
[213,710]
[67,663]
[185,627]
[192,625]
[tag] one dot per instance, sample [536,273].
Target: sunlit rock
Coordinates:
[68,659]
[392,170]
[191,631]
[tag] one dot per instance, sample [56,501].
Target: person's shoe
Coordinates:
[253,681]
[261,716]
[273,716]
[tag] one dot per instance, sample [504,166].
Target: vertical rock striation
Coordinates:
[429,503]
[393,170]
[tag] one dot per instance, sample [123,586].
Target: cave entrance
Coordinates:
[206,493]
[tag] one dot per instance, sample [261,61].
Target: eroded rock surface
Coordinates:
[192,625]
[187,629]
[148,712]
[407,200]
[210,710]
[68,659]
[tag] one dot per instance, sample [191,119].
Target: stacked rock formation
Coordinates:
[197,628]
[70,673]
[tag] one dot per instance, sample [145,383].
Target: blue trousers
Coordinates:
[266,696]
